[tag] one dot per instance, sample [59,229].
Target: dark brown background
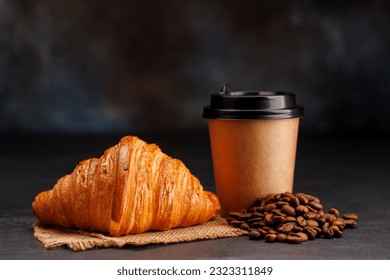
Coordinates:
[124,66]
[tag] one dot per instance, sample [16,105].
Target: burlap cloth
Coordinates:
[80,240]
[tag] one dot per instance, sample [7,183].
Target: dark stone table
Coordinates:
[351,173]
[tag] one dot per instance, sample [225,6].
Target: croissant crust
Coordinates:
[132,188]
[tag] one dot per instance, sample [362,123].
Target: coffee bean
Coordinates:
[286,217]
[279,219]
[350,216]
[256,225]
[325,226]
[235,215]
[303,236]
[289,210]
[268,218]
[312,223]
[294,201]
[310,232]
[278,212]
[339,223]
[262,232]
[302,209]
[310,215]
[291,219]
[287,194]
[254,220]
[269,207]
[255,215]
[244,226]
[236,223]
[316,205]
[330,218]
[245,217]
[270,237]
[294,238]
[334,211]
[337,232]
[303,199]
[286,228]
[328,233]
[301,221]
[350,223]
[254,234]
[281,237]
[280,204]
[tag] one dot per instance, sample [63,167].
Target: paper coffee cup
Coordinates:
[253,138]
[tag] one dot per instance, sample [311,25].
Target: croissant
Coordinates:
[132,188]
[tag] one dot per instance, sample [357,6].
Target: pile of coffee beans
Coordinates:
[291,218]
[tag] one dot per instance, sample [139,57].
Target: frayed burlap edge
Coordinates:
[81,240]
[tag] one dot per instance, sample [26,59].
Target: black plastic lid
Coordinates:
[244,105]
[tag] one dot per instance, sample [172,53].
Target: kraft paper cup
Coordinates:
[253,137]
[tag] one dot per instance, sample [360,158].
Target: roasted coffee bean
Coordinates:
[286,228]
[310,232]
[289,210]
[270,237]
[312,223]
[269,207]
[290,219]
[334,211]
[278,212]
[262,232]
[254,220]
[301,221]
[279,219]
[337,232]
[281,237]
[245,217]
[254,234]
[303,236]
[272,231]
[310,215]
[235,215]
[287,194]
[255,215]
[269,218]
[303,199]
[256,225]
[286,217]
[302,209]
[330,218]
[294,238]
[325,226]
[316,205]
[350,223]
[312,209]
[321,220]
[279,204]
[328,233]
[339,223]
[294,201]
[350,216]
[244,226]
[236,223]
[258,209]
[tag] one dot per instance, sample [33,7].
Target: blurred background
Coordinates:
[126,66]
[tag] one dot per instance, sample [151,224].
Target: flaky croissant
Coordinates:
[132,188]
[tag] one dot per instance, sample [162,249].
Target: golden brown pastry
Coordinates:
[134,187]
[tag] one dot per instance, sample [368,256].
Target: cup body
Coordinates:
[252,158]
[253,136]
